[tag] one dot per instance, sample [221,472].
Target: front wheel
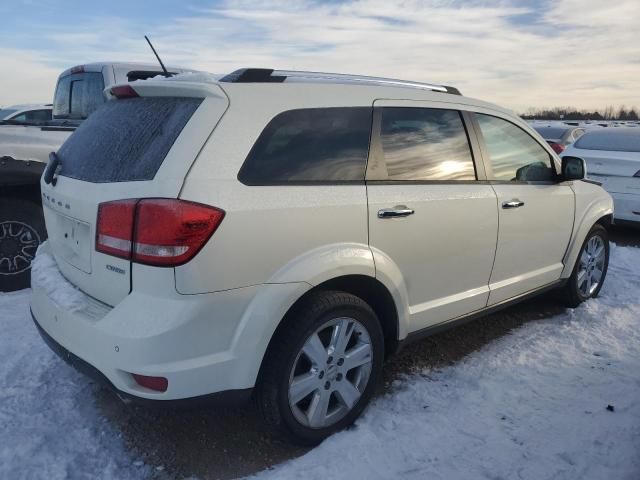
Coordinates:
[591,267]
[322,369]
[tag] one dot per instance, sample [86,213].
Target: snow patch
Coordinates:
[198,77]
[46,276]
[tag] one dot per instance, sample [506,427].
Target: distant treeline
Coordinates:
[569,113]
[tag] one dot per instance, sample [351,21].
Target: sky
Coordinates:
[517,53]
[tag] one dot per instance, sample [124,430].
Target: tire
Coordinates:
[322,314]
[22,230]
[578,289]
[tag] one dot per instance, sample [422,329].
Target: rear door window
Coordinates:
[312,145]
[78,95]
[425,144]
[125,140]
[38,115]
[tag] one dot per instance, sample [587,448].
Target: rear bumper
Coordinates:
[626,207]
[200,343]
[220,399]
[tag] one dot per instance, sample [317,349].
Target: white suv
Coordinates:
[280,233]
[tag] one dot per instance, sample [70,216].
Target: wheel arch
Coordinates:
[596,208]
[368,288]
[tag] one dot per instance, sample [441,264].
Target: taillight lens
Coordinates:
[159,384]
[557,147]
[162,232]
[114,231]
[124,91]
[171,232]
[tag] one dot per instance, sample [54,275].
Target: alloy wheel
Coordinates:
[18,245]
[330,373]
[591,268]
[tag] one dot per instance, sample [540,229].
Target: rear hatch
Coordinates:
[138,146]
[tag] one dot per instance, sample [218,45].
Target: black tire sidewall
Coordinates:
[27,212]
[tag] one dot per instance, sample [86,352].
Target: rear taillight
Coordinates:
[124,91]
[155,231]
[114,230]
[557,147]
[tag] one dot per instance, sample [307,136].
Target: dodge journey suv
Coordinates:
[278,234]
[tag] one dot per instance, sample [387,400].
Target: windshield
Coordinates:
[618,140]
[7,112]
[78,95]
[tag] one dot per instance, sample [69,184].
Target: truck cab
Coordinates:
[24,152]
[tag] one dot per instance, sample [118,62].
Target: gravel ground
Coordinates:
[231,443]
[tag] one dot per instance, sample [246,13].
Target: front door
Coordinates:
[430,219]
[536,213]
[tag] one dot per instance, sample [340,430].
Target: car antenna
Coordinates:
[164,69]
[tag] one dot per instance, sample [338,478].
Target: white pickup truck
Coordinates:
[24,152]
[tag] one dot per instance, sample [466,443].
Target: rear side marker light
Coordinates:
[124,91]
[155,231]
[158,384]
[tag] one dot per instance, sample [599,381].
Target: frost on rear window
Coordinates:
[618,140]
[125,140]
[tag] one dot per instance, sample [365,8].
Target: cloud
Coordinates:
[580,53]
[25,78]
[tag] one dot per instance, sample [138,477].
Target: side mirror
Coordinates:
[573,168]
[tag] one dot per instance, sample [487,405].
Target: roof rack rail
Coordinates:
[269,75]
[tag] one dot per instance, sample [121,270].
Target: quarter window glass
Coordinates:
[39,115]
[514,155]
[311,145]
[425,144]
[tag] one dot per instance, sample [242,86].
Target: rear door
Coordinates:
[430,212]
[536,213]
[129,148]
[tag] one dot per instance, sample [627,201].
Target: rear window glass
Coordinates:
[617,140]
[550,132]
[125,140]
[78,95]
[311,145]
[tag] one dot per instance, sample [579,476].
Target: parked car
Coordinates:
[559,137]
[613,159]
[281,233]
[25,113]
[25,145]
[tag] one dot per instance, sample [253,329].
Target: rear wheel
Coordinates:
[22,230]
[591,268]
[324,368]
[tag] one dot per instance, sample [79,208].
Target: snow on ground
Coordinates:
[531,405]
[49,425]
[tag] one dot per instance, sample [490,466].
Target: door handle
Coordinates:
[513,204]
[397,211]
